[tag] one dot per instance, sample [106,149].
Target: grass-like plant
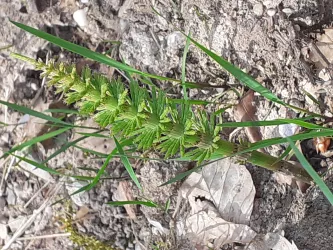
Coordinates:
[144,116]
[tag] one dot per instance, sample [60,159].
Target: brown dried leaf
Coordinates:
[81,213]
[221,197]
[124,193]
[206,225]
[245,111]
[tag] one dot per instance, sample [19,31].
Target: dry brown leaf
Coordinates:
[321,144]
[81,213]
[206,226]
[221,198]
[124,193]
[246,111]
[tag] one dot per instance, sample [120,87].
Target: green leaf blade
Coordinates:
[127,164]
[321,184]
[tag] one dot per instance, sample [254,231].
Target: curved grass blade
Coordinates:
[122,203]
[35,113]
[35,140]
[90,54]
[50,170]
[183,78]
[65,111]
[321,184]
[38,165]
[127,164]
[299,122]
[64,148]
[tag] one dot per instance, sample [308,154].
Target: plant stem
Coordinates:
[262,160]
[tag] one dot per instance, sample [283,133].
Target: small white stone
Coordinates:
[84,1]
[288,11]
[3,231]
[258,9]
[324,75]
[271,12]
[80,17]
[286,130]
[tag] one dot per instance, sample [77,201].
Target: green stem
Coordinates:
[261,159]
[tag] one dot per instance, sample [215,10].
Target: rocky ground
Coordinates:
[271,40]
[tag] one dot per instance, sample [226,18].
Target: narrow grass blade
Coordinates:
[167,205]
[38,165]
[91,151]
[127,164]
[86,52]
[299,122]
[181,176]
[274,141]
[102,169]
[122,203]
[28,111]
[65,111]
[240,75]
[35,140]
[97,134]
[183,78]
[64,148]
[191,102]
[6,47]
[311,97]
[321,184]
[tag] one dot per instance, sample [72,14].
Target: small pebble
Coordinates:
[271,12]
[3,231]
[80,17]
[84,1]
[324,75]
[286,130]
[288,11]
[258,9]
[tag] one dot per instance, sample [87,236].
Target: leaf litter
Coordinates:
[221,198]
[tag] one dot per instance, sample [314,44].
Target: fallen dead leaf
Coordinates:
[221,199]
[246,111]
[81,213]
[124,193]
[227,185]
[206,226]
[321,144]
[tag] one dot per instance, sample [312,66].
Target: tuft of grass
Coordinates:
[142,114]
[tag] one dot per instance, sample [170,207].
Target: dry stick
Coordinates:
[35,195]
[22,229]
[40,237]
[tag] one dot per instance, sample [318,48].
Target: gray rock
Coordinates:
[11,197]
[258,9]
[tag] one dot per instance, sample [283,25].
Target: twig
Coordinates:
[22,229]
[3,164]
[43,236]
[35,195]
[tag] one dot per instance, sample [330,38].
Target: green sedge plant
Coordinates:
[146,117]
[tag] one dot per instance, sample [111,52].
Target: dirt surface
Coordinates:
[268,39]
